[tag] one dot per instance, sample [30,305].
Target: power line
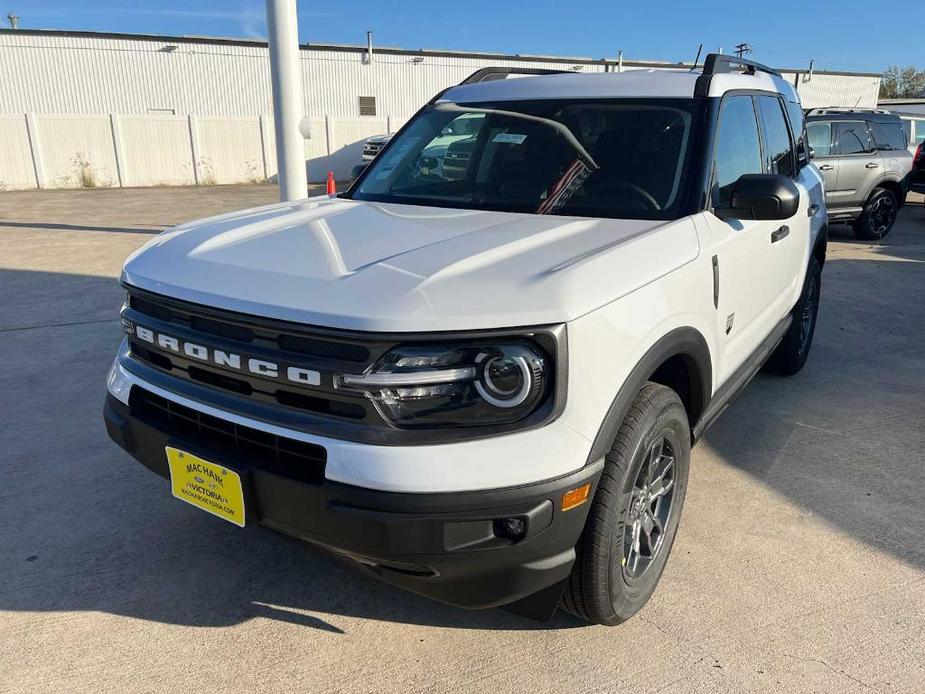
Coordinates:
[742,49]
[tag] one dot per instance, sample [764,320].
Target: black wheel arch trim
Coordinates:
[686,342]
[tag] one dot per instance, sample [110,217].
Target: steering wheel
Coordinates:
[641,193]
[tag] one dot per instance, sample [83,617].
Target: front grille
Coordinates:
[372,149]
[234,328]
[285,344]
[297,460]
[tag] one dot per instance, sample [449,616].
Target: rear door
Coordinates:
[859,165]
[821,136]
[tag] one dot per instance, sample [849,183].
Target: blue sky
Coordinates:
[839,36]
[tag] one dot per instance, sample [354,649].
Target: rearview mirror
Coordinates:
[762,197]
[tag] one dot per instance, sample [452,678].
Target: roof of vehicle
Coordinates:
[868,114]
[631,83]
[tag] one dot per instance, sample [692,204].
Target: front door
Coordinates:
[750,256]
[821,135]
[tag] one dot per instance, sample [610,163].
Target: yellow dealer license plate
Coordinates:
[206,485]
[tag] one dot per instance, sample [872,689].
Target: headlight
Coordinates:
[460,385]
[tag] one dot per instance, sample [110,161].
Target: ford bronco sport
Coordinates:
[484,387]
[866,165]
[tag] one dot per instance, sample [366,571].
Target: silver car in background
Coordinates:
[864,158]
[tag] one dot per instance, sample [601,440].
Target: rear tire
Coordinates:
[635,513]
[878,217]
[793,350]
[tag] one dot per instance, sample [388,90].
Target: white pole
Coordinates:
[286,77]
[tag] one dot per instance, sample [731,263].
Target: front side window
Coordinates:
[738,148]
[777,144]
[819,134]
[889,136]
[852,137]
[621,158]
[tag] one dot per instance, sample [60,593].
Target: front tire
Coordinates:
[634,517]
[878,217]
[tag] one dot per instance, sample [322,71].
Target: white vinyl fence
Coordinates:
[73,151]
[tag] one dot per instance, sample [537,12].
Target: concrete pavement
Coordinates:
[799,565]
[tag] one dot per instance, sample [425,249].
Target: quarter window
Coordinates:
[777,143]
[889,136]
[853,138]
[919,131]
[820,138]
[738,149]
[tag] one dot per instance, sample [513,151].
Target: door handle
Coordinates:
[779,234]
[813,209]
[871,165]
[826,167]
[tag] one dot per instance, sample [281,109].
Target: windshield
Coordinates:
[621,158]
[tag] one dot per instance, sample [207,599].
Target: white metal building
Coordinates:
[145,110]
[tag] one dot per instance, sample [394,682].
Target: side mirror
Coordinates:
[762,197]
[803,156]
[812,153]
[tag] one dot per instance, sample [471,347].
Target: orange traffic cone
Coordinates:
[332,187]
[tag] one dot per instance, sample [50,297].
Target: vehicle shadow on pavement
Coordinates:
[844,438]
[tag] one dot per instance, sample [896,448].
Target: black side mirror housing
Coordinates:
[762,197]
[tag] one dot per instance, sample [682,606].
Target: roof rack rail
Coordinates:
[821,110]
[718,63]
[487,74]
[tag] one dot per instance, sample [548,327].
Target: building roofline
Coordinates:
[388,50]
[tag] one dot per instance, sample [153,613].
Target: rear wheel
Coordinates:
[793,350]
[635,513]
[878,217]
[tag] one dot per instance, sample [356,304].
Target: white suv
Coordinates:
[485,387]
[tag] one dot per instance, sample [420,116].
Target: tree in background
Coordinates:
[902,83]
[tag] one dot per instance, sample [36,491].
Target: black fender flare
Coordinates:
[687,342]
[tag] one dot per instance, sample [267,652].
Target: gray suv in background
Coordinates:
[863,157]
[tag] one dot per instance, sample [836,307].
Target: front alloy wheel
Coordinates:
[649,509]
[635,513]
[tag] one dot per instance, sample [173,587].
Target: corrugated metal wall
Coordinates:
[58,73]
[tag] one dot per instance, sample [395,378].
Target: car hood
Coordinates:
[397,268]
[380,139]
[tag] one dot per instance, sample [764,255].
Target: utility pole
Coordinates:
[742,50]
[286,79]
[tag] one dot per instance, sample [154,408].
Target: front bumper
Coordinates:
[448,546]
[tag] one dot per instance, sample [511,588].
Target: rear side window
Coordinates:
[907,126]
[797,127]
[852,137]
[777,144]
[738,149]
[820,138]
[889,136]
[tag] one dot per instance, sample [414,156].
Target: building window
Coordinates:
[367,106]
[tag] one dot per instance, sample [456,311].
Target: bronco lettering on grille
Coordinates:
[259,367]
